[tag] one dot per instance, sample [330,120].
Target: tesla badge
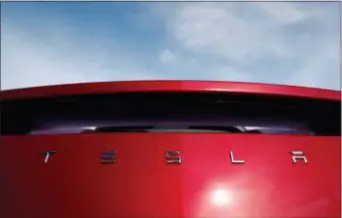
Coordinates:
[48,154]
[108,156]
[173,157]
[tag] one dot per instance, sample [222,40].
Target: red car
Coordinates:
[170,149]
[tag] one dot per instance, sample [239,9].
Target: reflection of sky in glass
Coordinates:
[78,127]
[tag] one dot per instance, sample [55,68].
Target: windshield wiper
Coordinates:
[196,128]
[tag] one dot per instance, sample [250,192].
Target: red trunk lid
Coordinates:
[72,182]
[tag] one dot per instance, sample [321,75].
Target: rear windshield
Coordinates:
[171,112]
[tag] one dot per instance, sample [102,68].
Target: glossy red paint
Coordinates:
[74,183]
[171,86]
[140,184]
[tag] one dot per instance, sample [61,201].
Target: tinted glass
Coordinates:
[171,112]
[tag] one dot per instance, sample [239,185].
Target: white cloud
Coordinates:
[241,34]
[213,29]
[320,70]
[286,43]
[219,29]
[283,12]
[167,56]
[231,74]
[28,60]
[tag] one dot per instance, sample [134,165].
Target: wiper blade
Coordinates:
[122,129]
[231,129]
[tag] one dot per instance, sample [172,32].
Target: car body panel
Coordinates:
[170,86]
[74,183]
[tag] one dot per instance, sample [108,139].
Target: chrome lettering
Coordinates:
[108,156]
[233,161]
[173,157]
[298,155]
[48,153]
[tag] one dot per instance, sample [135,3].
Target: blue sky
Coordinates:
[45,43]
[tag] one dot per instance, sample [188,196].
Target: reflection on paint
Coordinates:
[220,197]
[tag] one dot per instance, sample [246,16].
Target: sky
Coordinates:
[291,43]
